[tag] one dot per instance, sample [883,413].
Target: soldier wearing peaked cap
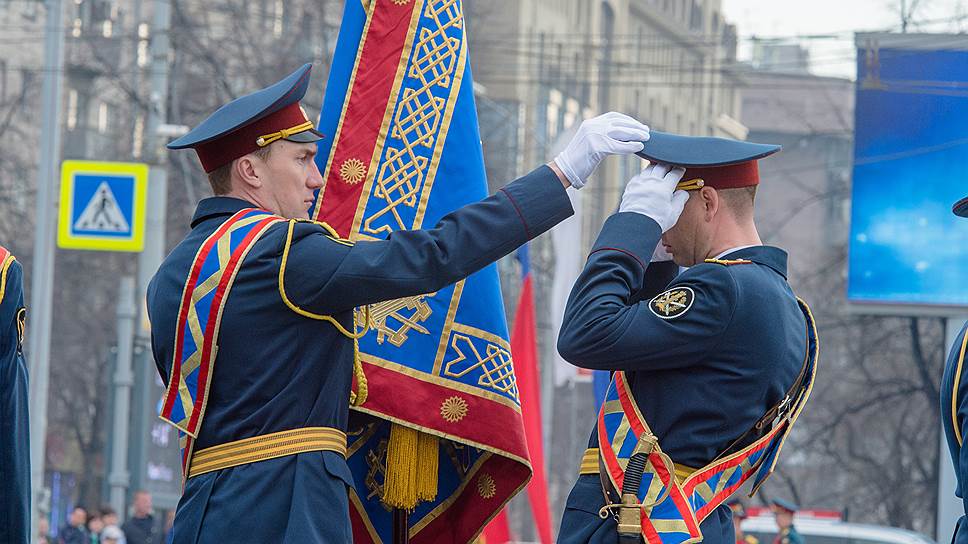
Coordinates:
[253,312]
[954,409]
[739,514]
[14,443]
[783,511]
[710,367]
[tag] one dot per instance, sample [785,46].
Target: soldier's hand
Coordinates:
[653,193]
[609,134]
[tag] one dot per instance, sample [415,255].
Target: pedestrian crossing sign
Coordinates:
[102,206]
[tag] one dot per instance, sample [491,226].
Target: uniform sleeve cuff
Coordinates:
[631,233]
[540,200]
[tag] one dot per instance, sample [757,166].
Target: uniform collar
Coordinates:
[770,256]
[218,205]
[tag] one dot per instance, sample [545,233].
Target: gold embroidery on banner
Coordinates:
[357,438]
[448,326]
[405,314]
[388,118]
[368,7]
[458,493]
[459,454]
[401,2]
[453,409]
[435,379]
[352,171]
[417,120]
[364,516]
[495,363]
[486,486]
[376,460]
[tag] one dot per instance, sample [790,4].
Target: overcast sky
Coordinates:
[812,19]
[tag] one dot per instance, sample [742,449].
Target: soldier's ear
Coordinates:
[246,171]
[710,201]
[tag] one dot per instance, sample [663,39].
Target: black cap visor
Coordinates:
[306,136]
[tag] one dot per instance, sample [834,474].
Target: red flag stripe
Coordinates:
[367,105]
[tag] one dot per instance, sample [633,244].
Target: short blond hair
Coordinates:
[221,178]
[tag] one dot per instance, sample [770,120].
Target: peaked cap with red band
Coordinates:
[961,207]
[714,162]
[252,122]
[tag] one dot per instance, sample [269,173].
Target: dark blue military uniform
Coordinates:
[14,445]
[954,409]
[701,376]
[954,417]
[277,370]
[789,536]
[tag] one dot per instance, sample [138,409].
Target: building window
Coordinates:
[143,45]
[102,117]
[553,114]
[138,140]
[278,14]
[572,111]
[3,79]
[71,109]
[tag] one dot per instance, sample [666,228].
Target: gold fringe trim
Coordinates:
[427,457]
[411,475]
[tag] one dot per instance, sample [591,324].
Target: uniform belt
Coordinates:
[267,446]
[589,465]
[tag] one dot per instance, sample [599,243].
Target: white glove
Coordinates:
[609,134]
[660,255]
[653,193]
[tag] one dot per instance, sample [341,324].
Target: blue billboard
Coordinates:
[910,166]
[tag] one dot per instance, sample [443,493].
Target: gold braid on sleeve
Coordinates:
[357,397]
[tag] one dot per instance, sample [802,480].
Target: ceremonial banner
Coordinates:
[402,150]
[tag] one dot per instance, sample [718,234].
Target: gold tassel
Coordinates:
[411,474]
[400,486]
[426,467]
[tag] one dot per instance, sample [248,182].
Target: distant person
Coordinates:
[94,527]
[14,446]
[75,531]
[141,527]
[739,514]
[110,519]
[954,409]
[112,535]
[43,531]
[170,526]
[783,511]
